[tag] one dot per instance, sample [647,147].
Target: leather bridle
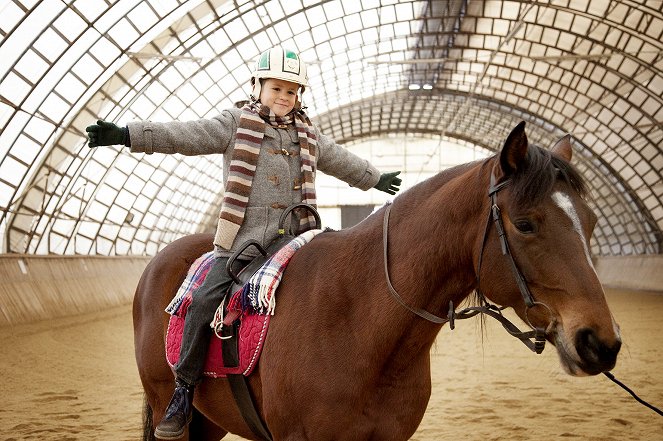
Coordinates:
[535,339]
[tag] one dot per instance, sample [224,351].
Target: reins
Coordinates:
[538,334]
[637,398]
[418,311]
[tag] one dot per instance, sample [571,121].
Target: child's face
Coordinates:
[279,95]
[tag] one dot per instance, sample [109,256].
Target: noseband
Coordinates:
[535,339]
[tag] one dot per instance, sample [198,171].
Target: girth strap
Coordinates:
[247,407]
[239,385]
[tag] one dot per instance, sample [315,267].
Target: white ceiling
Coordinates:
[443,70]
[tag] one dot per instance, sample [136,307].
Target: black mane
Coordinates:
[533,182]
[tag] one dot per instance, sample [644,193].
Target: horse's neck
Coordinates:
[433,240]
[434,235]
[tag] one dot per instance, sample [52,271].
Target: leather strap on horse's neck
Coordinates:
[418,311]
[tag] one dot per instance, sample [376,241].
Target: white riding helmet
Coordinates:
[279,63]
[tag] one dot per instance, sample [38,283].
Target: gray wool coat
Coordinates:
[277,181]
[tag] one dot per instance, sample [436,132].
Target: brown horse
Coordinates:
[343,359]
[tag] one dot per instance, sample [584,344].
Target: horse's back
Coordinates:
[177,257]
[167,269]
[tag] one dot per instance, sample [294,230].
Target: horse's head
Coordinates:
[548,225]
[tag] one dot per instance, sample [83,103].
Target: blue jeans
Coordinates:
[197,330]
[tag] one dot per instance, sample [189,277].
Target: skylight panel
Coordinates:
[90,9]
[11,16]
[14,88]
[123,33]
[275,11]
[299,23]
[70,24]
[31,66]
[54,107]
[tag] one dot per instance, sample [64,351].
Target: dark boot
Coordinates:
[178,413]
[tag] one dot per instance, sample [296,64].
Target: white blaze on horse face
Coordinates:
[563,201]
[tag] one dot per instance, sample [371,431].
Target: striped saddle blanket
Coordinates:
[252,306]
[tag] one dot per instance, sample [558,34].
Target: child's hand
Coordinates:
[105,133]
[389,183]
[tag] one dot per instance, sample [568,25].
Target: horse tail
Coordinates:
[148,428]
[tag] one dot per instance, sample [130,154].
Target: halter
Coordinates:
[538,334]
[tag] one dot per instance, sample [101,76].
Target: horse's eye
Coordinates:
[524,226]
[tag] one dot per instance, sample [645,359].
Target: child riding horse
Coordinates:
[344,360]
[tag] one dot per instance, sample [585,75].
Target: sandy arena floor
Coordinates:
[75,379]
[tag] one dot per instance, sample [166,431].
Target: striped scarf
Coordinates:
[250,133]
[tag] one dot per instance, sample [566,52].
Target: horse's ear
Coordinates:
[514,151]
[562,148]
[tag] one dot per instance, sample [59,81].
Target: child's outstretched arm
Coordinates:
[199,137]
[339,162]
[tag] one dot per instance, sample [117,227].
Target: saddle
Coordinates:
[247,271]
[236,319]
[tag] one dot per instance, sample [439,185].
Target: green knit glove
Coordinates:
[389,183]
[106,133]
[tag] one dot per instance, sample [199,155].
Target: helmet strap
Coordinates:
[300,98]
[256,88]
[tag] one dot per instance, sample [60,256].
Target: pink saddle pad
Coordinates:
[251,336]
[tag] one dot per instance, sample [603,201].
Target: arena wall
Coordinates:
[642,272]
[42,287]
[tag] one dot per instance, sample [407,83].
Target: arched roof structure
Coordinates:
[457,69]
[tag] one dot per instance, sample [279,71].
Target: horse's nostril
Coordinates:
[596,355]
